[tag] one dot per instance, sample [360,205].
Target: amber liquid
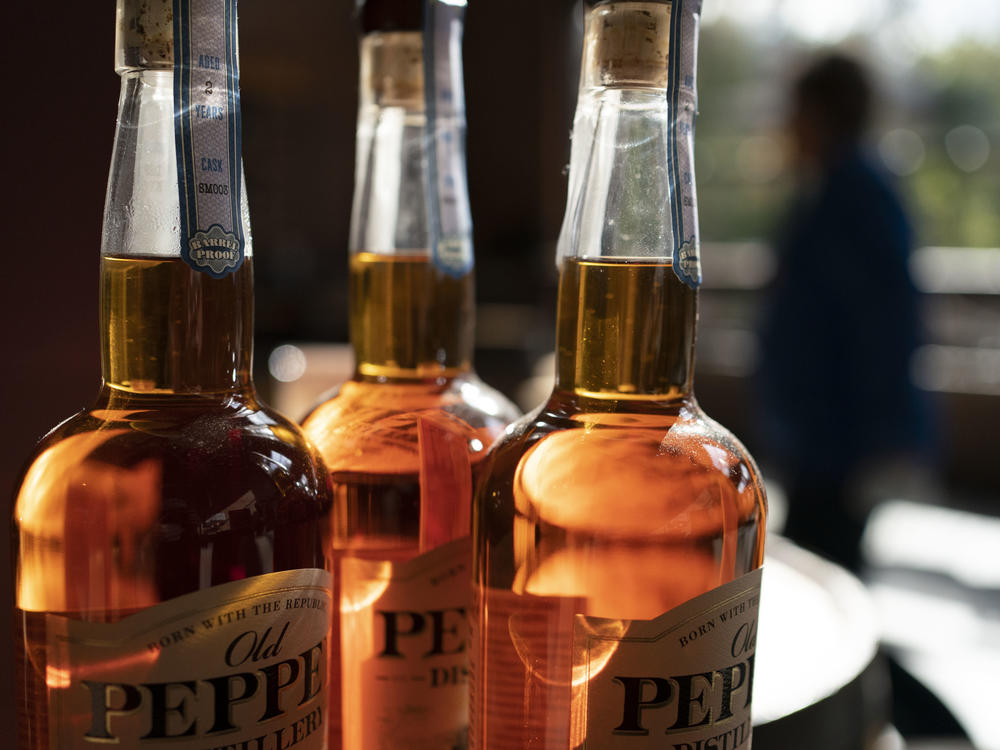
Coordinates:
[177,479]
[618,500]
[169,328]
[404,441]
[408,318]
[626,329]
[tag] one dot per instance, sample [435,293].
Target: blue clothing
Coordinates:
[841,323]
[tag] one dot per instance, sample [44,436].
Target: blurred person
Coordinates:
[841,321]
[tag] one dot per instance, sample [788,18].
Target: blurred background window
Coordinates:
[937,132]
[935,66]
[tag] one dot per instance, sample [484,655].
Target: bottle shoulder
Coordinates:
[485,398]
[367,425]
[201,454]
[631,508]
[136,501]
[629,472]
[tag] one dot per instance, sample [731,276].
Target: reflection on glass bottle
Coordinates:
[160,530]
[404,438]
[620,501]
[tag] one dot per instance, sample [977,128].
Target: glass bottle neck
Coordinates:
[626,330]
[410,317]
[626,325]
[165,327]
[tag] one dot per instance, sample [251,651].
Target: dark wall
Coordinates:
[58,126]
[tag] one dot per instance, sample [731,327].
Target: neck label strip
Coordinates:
[449,222]
[682,97]
[207,135]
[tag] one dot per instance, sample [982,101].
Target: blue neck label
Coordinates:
[207,135]
[682,96]
[449,220]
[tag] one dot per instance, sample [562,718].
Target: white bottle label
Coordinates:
[207,135]
[240,665]
[404,653]
[680,682]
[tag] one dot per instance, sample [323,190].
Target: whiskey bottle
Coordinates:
[171,583]
[404,438]
[618,531]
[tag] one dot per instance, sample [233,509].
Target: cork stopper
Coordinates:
[145,34]
[392,68]
[627,44]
